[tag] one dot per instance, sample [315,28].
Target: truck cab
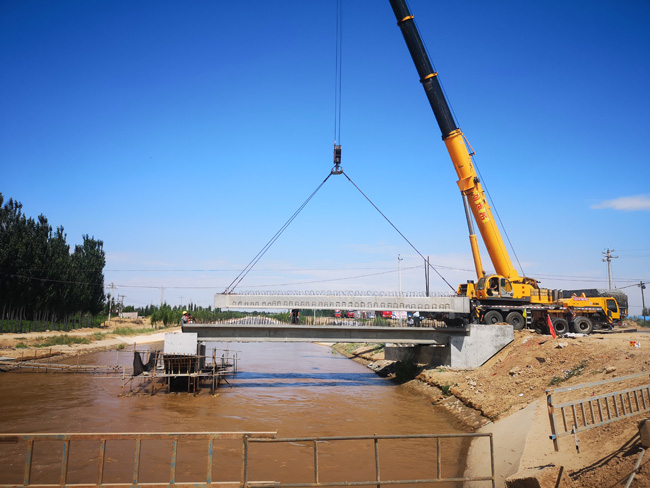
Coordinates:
[494,286]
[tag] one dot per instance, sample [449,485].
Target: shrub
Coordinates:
[569,373]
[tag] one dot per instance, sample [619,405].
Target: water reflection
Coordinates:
[247,379]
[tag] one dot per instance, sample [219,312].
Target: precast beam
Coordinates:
[329,333]
[408,303]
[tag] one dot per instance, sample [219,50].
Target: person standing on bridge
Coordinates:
[295,316]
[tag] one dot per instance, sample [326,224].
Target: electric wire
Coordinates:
[398,231]
[230,288]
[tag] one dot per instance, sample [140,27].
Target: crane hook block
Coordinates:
[337,170]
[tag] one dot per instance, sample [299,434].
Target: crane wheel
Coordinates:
[560,325]
[516,320]
[492,317]
[582,325]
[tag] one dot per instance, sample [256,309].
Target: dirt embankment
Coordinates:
[117,333]
[518,377]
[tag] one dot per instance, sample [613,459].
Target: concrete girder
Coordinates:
[452,304]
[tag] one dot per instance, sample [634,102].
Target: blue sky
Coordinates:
[185,134]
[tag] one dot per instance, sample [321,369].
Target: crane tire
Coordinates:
[516,320]
[582,325]
[560,325]
[492,317]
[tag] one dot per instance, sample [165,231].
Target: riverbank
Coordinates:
[116,334]
[508,394]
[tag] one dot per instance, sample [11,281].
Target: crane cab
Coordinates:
[494,286]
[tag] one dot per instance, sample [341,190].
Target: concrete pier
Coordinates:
[466,351]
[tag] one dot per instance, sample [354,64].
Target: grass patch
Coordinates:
[60,340]
[127,331]
[570,373]
[446,389]
[21,345]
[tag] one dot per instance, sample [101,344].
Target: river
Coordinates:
[294,389]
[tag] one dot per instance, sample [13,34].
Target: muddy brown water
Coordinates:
[294,389]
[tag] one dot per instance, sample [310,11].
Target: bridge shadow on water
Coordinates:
[254,379]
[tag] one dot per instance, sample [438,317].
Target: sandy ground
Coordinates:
[506,396]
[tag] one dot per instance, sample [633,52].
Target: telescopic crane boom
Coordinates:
[468,181]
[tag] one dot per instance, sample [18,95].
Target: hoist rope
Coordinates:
[398,231]
[231,287]
[337,73]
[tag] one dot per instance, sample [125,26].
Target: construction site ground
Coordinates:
[506,396]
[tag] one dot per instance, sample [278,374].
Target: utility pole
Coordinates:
[399,274]
[112,287]
[399,282]
[426,275]
[642,286]
[162,296]
[120,298]
[608,257]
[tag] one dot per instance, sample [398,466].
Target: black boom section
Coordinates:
[428,77]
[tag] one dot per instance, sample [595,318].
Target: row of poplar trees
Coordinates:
[42,283]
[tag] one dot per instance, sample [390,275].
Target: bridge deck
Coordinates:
[329,333]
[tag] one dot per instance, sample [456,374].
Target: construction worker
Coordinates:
[185,319]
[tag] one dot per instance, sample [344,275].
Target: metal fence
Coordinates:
[314,442]
[586,413]
[210,438]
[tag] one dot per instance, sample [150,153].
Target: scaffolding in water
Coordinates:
[175,373]
[179,373]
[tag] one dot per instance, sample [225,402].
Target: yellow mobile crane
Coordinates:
[503,295]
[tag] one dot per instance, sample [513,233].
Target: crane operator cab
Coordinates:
[494,286]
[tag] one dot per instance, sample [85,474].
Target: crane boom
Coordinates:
[468,181]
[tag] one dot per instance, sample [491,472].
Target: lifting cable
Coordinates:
[336,170]
[231,287]
[337,73]
[398,231]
